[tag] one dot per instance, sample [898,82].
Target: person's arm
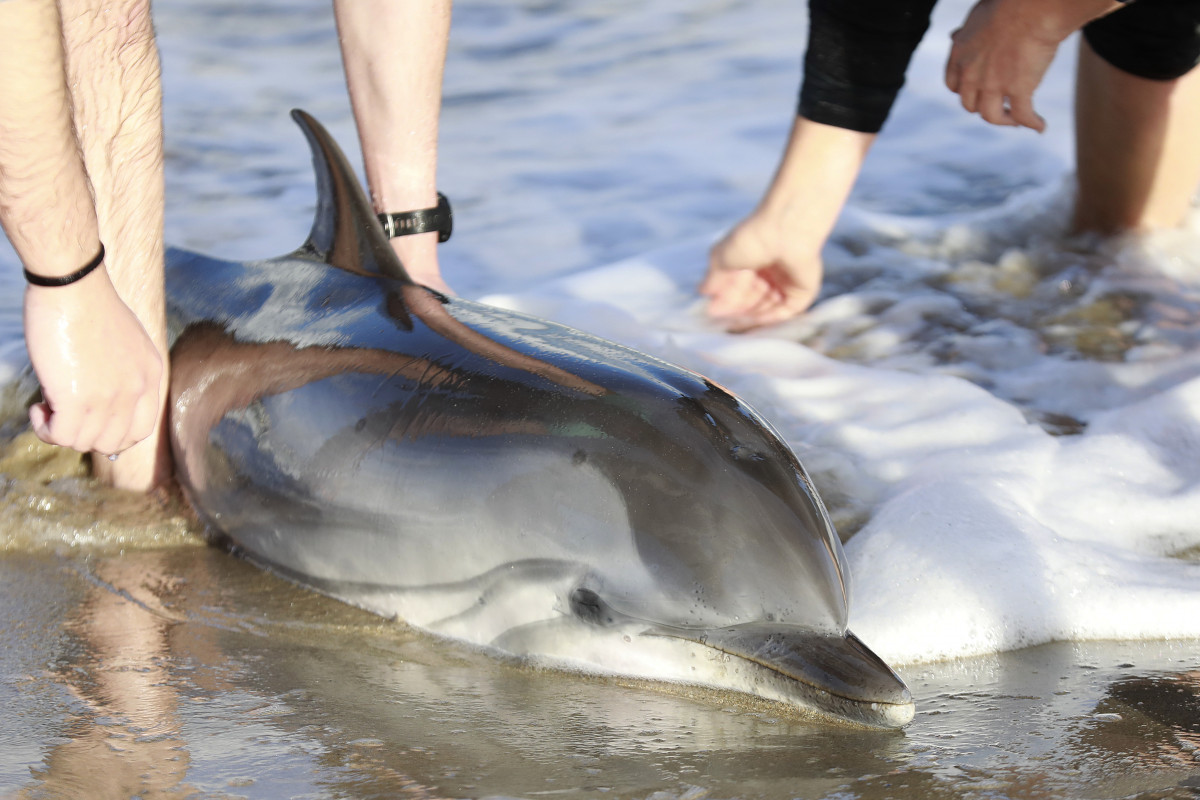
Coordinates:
[1003,49]
[116,100]
[768,268]
[394,52]
[98,369]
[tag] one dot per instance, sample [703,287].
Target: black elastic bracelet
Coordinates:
[409,223]
[65,280]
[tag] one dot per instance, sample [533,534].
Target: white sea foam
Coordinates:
[1004,421]
[981,529]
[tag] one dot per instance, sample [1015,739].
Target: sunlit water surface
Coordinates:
[1001,419]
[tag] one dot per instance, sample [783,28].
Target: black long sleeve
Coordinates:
[858,52]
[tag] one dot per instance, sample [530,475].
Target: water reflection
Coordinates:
[195,672]
[192,673]
[1145,726]
[143,655]
[128,741]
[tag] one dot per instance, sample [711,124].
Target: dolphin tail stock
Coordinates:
[346,233]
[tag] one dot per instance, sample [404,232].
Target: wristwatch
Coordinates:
[425,220]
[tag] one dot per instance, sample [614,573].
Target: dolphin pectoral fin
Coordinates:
[345,231]
[833,673]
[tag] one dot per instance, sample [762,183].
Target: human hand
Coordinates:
[999,57]
[758,276]
[98,369]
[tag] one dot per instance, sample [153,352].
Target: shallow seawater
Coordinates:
[185,672]
[1001,419]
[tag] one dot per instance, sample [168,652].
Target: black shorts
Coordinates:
[1156,39]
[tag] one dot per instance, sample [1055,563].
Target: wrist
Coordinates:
[419,256]
[74,301]
[1055,20]
[784,231]
[803,213]
[398,199]
[59,279]
[437,219]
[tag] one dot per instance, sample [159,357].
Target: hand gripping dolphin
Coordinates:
[500,479]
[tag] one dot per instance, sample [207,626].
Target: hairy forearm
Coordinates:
[394,52]
[113,68]
[45,198]
[113,72]
[80,162]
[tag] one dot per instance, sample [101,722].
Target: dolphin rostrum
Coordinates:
[497,478]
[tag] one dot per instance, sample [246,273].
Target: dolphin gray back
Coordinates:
[478,472]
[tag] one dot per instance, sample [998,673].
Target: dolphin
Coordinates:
[496,478]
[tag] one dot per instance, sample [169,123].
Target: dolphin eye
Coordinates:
[587,606]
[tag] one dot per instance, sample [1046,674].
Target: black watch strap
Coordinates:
[408,223]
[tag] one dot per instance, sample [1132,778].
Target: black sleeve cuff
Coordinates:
[858,52]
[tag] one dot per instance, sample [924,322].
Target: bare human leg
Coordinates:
[113,72]
[1136,147]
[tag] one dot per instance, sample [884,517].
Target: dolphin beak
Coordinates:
[832,673]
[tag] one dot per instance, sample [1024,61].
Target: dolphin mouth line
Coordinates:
[753,643]
[796,660]
[799,679]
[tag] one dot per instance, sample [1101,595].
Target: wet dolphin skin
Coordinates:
[500,479]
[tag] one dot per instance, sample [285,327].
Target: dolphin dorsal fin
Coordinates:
[346,233]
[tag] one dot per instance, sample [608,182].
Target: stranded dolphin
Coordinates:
[497,478]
